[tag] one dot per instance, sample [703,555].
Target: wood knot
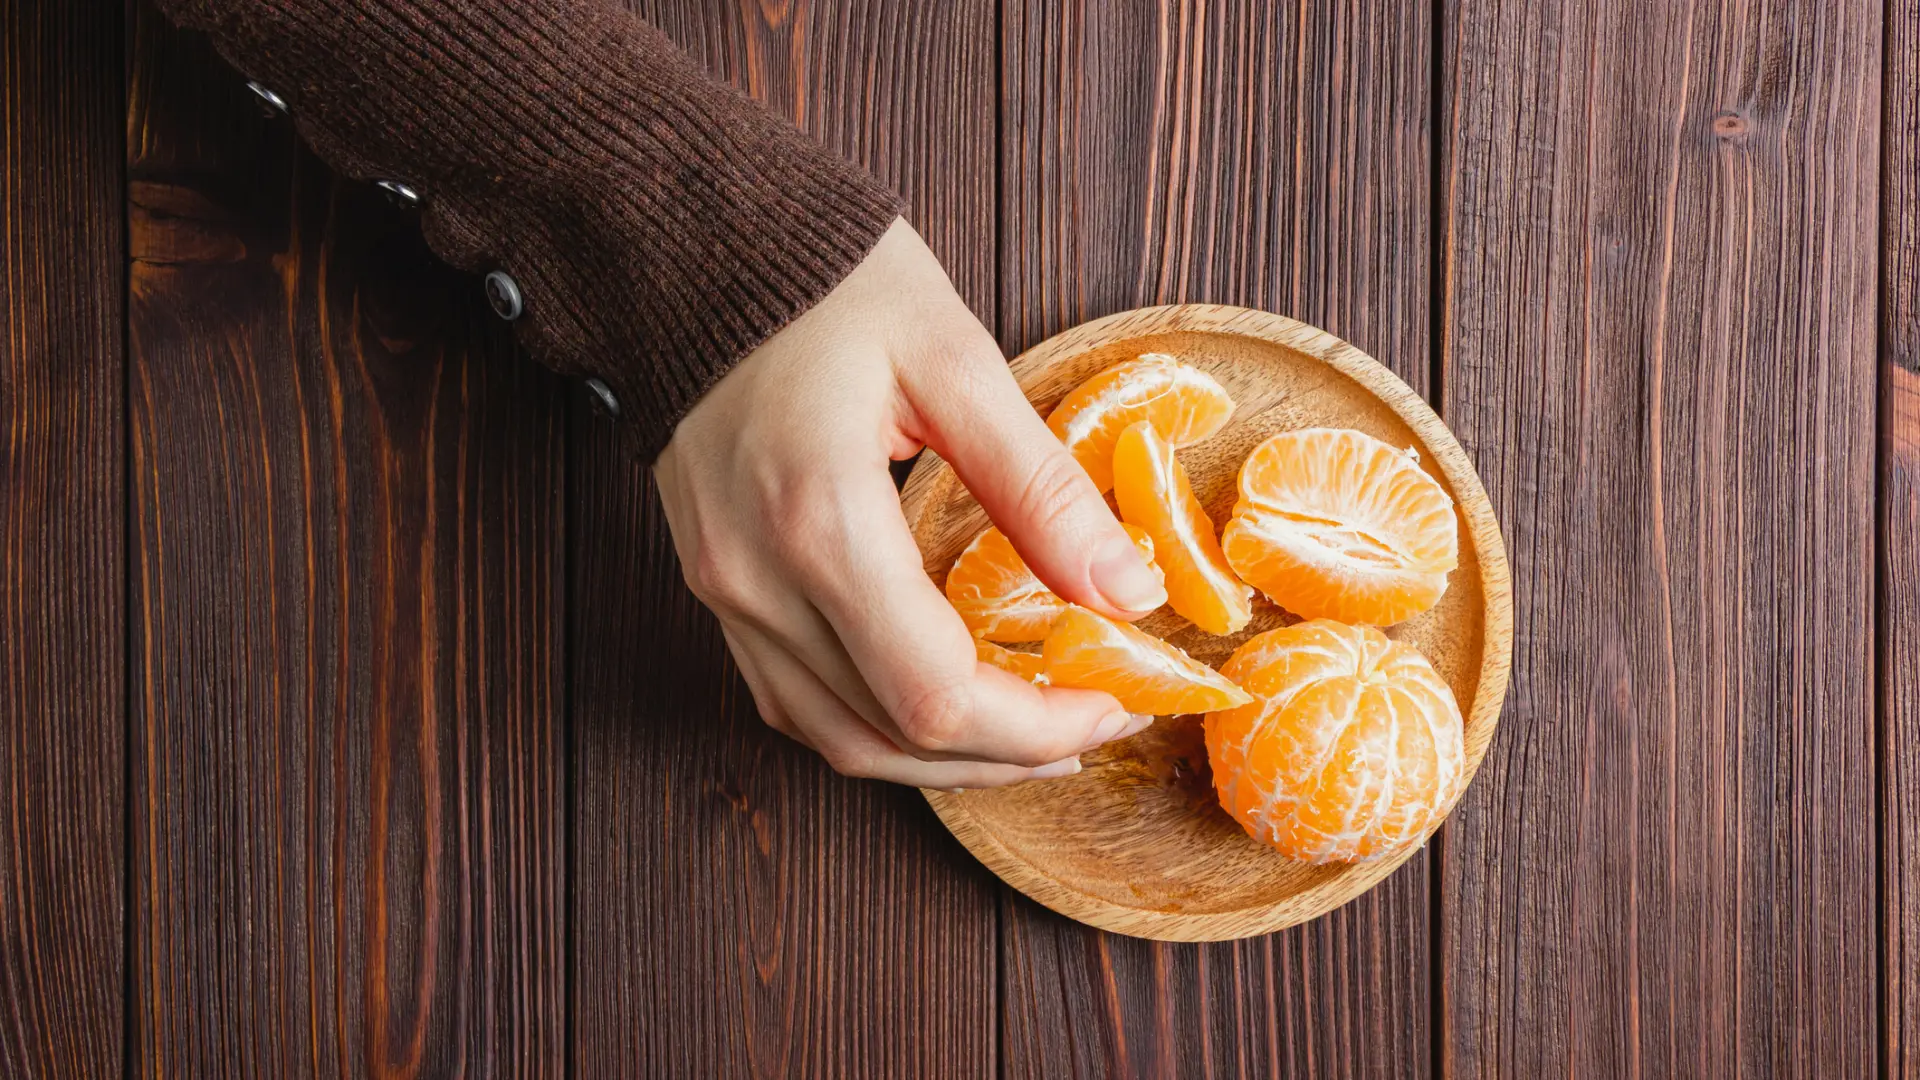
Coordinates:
[179,225]
[1729,124]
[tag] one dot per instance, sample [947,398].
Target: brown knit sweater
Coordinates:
[659,225]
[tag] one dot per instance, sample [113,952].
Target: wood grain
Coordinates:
[1658,305]
[1136,843]
[1273,156]
[1665,229]
[740,910]
[62,528]
[1899,615]
[348,852]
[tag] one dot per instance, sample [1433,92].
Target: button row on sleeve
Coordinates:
[271,103]
[603,398]
[503,293]
[399,194]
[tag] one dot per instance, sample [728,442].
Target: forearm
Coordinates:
[658,225]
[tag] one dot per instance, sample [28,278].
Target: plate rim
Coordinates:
[1483,532]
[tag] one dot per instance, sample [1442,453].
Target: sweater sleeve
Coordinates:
[657,224]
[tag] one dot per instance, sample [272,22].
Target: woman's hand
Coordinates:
[789,527]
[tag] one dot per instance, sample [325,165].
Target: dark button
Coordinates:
[399,194]
[603,398]
[504,294]
[272,104]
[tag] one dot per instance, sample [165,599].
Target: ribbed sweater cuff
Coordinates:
[659,224]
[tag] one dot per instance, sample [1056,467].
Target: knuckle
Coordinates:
[1052,492]
[939,718]
[717,579]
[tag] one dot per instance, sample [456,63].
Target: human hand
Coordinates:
[789,527]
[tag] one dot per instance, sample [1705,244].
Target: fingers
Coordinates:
[973,413]
[913,653]
[848,743]
[775,716]
[838,586]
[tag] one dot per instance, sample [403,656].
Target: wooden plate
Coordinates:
[1136,843]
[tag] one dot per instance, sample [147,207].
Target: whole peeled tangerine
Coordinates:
[1353,748]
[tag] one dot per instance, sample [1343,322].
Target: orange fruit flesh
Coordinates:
[999,598]
[1182,402]
[1028,666]
[1340,525]
[1154,495]
[1147,675]
[1354,748]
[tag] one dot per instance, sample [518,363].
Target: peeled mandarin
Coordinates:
[999,598]
[1092,652]
[1182,402]
[1337,524]
[1353,748]
[1028,666]
[1155,496]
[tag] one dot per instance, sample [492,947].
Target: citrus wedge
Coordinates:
[1184,404]
[1155,496]
[1147,675]
[999,598]
[1028,666]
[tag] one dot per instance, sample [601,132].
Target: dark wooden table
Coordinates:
[354,720]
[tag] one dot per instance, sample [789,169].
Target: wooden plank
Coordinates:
[1659,347]
[1899,621]
[1273,156]
[62,539]
[741,911]
[348,850]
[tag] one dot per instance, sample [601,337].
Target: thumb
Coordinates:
[973,414]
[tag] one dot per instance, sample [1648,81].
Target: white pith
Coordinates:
[1029,599]
[1368,540]
[1141,387]
[1129,654]
[1275,812]
[1220,584]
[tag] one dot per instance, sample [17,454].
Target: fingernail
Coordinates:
[1138,723]
[956,791]
[1058,769]
[1123,578]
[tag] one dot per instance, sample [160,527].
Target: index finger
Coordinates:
[918,659]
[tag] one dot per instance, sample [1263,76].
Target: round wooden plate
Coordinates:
[1136,843]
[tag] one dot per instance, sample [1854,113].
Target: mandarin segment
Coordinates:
[1155,495]
[1000,599]
[1028,666]
[1182,402]
[1338,524]
[1092,652]
[1352,750]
